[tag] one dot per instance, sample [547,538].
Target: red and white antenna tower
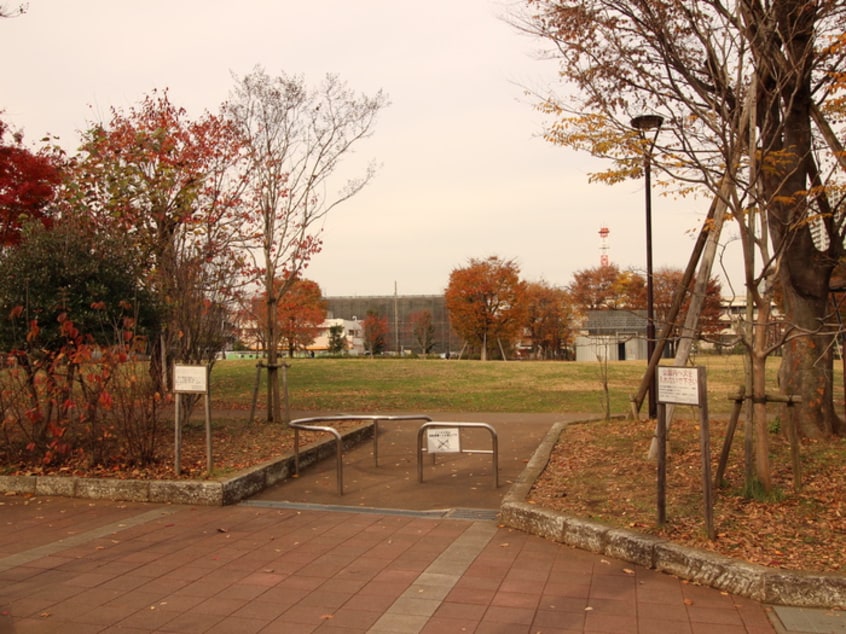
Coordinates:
[603,246]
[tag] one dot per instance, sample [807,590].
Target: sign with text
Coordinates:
[445,440]
[190,379]
[678,385]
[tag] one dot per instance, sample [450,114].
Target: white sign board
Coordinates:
[678,385]
[444,440]
[190,379]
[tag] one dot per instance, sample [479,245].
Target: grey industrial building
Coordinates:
[398,310]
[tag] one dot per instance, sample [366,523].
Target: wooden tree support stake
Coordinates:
[792,433]
[262,365]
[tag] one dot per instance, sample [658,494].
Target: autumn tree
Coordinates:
[171,185]
[423,330]
[592,289]
[750,93]
[297,138]
[550,314]
[374,331]
[486,304]
[301,311]
[608,287]
[299,314]
[666,281]
[28,182]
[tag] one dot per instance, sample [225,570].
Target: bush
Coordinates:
[76,403]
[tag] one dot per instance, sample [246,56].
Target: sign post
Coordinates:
[190,379]
[684,386]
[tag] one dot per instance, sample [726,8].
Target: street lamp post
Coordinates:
[642,124]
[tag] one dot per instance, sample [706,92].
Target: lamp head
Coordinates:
[647,121]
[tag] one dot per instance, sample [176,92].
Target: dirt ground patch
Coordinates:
[599,471]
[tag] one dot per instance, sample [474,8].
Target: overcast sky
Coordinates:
[464,171]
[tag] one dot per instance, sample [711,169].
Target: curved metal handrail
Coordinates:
[306,424]
[302,424]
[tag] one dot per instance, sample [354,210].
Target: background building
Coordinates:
[350,331]
[398,310]
[612,335]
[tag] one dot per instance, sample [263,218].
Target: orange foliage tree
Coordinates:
[374,330]
[486,304]
[299,313]
[550,314]
[666,281]
[608,288]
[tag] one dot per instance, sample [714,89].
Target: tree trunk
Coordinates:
[808,366]
[804,276]
[158,363]
[804,270]
[274,406]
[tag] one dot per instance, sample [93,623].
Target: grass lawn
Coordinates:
[383,385]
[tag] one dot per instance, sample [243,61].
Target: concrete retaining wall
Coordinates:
[215,492]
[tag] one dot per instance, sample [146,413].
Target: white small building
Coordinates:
[352,331]
[612,335]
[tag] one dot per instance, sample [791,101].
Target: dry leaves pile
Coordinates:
[600,471]
[236,445]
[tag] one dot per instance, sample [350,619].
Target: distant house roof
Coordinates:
[608,322]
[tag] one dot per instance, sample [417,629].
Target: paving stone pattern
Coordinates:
[70,565]
[298,558]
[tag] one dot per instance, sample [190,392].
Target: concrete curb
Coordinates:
[767,585]
[214,492]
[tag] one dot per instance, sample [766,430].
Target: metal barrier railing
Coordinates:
[494,450]
[305,424]
[376,420]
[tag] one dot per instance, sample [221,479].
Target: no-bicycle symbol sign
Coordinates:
[444,440]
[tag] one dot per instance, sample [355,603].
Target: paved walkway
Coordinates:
[80,566]
[71,565]
[452,481]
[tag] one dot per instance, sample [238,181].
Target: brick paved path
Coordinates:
[80,566]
